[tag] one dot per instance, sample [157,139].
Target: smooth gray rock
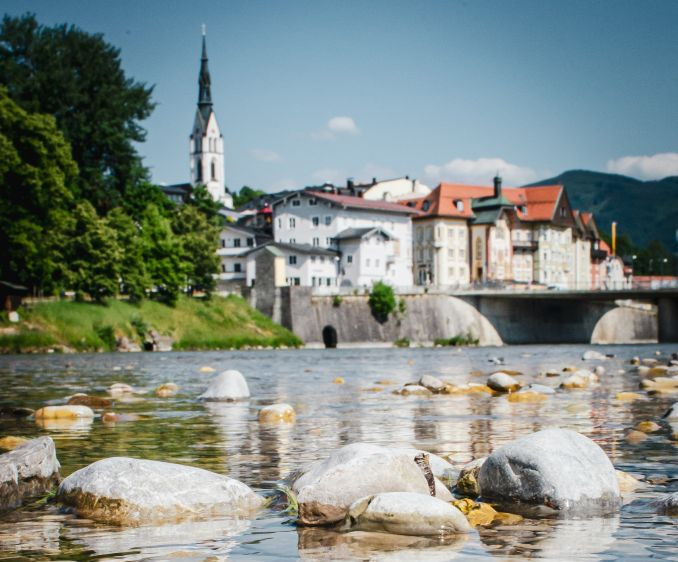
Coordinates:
[432,383]
[228,386]
[467,483]
[405,513]
[557,469]
[28,470]
[131,492]
[501,382]
[326,489]
[668,505]
[540,388]
[592,355]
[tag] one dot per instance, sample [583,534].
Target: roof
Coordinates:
[350,202]
[295,249]
[352,233]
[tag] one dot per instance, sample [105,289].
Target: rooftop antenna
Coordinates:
[204,30]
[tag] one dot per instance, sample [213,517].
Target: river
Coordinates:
[227,438]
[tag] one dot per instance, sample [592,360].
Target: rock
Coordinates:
[671,413]
[527,395]
[668,505]
[14,412]
[501,382]
[30,469]
[227,386]
[476,513]
[132,492]
[470,388]
[112,417]
[660,385]
[406,513]
[277,413]
[11,442]
[326,489]
[648,426]
[440,468]
[467,483]
[628,396]
[599,370]
[120,389]
[206,369]
[64,412]
[124,345]
[338,380]
[540,388]
[570,369]
[412,390]
[627,483]
[635,360]
[649,361]
[550,374]
[91,401]
[592,355]
[580,379]
[166,390]
[432,383]
[634,437]
[658,371]
[558,469]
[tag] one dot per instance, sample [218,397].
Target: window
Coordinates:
[315,221]
[223,243]
[312,259]
[293,240]
[459,204]
[292,260]
[223,268]
[312,201]
[250,242]
[236,242]
[313,281]
[237,267]
[367,262]
[462,254]
[292,222]
[349,259]
[328,241]
[328,220]
[213,169]
[450,253]
[279,223]
[425,206]
[328,281]
[316,241]
[296,202]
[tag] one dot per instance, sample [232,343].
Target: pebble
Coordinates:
[166,390]
[634,437]
[119,389]
[627,483]
[64,412]
[413,390]
[11,442]
[338,380]
[628,396]
[527,396]
[207,369]
[277,413]
[648,426]
[501,382]
[91,401]
[432,383]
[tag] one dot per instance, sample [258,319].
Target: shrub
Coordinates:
[402,342]
[460,339]
[107,336]
[402,306]
[382,301]
[336,301]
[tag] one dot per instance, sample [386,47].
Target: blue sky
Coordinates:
[307,91]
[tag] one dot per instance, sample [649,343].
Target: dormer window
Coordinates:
[426,205]
[523,209]
[459,204]
[312,201]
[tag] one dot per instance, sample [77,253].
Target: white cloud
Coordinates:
[265,155]
[479,171]
[336,126]
[654,167]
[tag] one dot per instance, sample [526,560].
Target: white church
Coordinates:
[206,146]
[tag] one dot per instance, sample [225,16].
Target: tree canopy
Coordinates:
[77,77]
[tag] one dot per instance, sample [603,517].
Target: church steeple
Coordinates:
[204,93]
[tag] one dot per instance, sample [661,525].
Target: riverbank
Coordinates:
[193,324]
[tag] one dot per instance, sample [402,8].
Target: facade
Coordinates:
[207,142]
[321,220]
[397,189]
[306,265]
[234,243]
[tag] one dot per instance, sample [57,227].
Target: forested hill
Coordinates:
[645,210]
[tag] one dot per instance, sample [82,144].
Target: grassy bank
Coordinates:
[220,323]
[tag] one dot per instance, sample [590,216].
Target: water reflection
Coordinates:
[227,438]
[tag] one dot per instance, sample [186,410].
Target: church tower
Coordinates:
[207,142]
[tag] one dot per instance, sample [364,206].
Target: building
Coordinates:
[234,242]
[337,222]
[300,264]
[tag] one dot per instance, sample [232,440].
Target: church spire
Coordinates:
[204,93]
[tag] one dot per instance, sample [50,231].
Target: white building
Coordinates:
[397,189]
[207,142]
[234,242]
[327,220]
[305,265]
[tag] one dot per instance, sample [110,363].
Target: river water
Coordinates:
[228,439]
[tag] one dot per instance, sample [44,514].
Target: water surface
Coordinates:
[228,439]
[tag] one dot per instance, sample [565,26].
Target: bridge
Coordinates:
[566,316]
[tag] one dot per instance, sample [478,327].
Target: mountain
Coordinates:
[645,210]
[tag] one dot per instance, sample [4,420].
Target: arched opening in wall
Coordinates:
[330,337]
[198,175]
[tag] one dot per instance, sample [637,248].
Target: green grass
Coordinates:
[220,323]
[458,340]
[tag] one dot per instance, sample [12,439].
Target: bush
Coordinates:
[140,327]
[402,342]
[336,301]
[382,301]
[402,306]
[460,339]
[107,336]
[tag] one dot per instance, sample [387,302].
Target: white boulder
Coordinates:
[558,469]
[228,386]
[405,513]
[434,384]
[502,382]
[592,355]
[131,492]
[326,489]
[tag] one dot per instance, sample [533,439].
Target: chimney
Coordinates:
[497,186]
[349,183]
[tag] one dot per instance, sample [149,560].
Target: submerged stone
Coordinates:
[406,513]
[627,483]
[120,389]
[628,396]
[15,412]
[558,470]
[131,492]
[31,468]
[648,426]
[412,390]
[91,401]
[592,355]
[501,382]
[277,413]
[527,395]
[227,386]
[167,390]
[668,505]
[432,383]
[326,489]
[11,442]
[64,412]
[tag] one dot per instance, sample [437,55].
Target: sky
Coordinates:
[454,90]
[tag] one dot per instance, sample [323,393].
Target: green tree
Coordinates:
[245,195]
[132,268]
[93,254]
[382,301]
[142,194]
[203,202]
[77,77]
[37,177]
[162,253]
[198,239]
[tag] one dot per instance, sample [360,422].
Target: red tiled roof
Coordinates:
[360,203]
[442,202]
